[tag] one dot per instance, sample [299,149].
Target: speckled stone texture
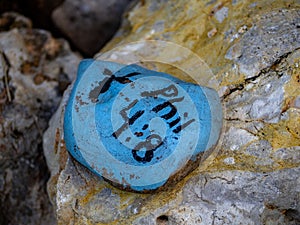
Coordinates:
[252,47]
[34,70]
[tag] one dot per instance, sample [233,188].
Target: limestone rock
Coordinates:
[89,23]
[34,70]
[252,48]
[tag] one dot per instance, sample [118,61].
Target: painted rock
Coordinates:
[137,128]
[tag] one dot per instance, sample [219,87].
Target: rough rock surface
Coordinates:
[34,70]
[89,23]
[252,47]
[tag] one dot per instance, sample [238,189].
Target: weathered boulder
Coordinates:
[252,48]
[34,70]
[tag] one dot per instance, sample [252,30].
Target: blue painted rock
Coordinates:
[137,128]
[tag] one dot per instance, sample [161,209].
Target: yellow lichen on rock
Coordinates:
[259,90]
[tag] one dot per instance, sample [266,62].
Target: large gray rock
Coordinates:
[34,70]
[253,50]
[89,23]
[234,197]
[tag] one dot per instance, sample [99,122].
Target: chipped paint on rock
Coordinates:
[136,127]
